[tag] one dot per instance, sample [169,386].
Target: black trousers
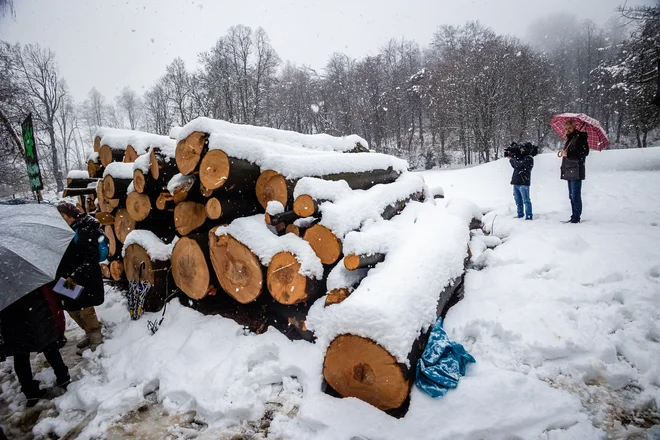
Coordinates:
[23,368]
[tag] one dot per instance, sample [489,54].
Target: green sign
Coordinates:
[34,173]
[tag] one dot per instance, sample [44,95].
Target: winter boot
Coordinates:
[33,393]
[64,381]
[83,343]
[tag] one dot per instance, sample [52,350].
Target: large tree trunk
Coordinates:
[355,366]
[287,285]
[189,152]
[139,266]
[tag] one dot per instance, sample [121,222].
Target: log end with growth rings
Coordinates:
[238,270]
[130,155]
[324,243]
[189,268]
[271,186]
[139,181]
[189,216]
[293,229]
[117,270]
[138,265]
[304,206]
[335,296]
[284,281]
[213,208]
[358,367]
[124,224]
[214,169]
[105,155]
[189,152]
[109,186]
[138,206]
[112,240]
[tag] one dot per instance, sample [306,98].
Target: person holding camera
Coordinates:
[520,158]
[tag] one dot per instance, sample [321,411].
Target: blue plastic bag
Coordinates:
[442,364]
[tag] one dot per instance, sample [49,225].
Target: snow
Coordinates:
[77,174]
[254,233]
[319,142]
[294,162]
[425,247]
[154,246]
[140,141]
[562,319]
[464,208]
[142,162]
[179,180]
[130,188]
[340,277]
[274,207]
[94,157]
[320,189]
[119,170]
[348,213]
[174,132]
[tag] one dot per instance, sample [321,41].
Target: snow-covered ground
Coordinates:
[562,319]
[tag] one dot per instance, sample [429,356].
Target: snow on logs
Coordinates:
[146,258]
[373,338]
[117,145]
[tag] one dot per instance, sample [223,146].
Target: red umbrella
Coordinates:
[597,138]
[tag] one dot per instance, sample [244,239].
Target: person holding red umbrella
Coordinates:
[581,133]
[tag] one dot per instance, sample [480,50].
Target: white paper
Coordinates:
[70,293]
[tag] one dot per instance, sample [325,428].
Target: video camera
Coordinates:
[517,150]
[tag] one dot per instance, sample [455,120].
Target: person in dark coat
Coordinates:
[80,265]
[521,180]
[573,167]
[28,326]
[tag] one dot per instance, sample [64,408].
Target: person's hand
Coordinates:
[69,283]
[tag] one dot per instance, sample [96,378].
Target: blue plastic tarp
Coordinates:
[442,364]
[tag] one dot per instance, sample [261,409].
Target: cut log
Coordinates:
[161,167]
[213,209]
[117,270]
[287,285]
[189,152]
[105,270]
[335,296]
[104,202]
[139,266]
[109,155]
[293,229]
[138,206]
[97,144]
[235,175]
[191,266]
[114,247]
[355,366]
[130,154]
[80,182]
[354,262]
[239,271]
[105,218]
[143,182]
[74,192]
[324,243]
[189,216]
[94,168]
[273,186]
[124,224]
[115,188]
[165,202]
[306,206]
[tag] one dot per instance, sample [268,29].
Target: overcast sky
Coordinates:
[110,44]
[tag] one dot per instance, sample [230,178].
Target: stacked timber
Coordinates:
[311,234]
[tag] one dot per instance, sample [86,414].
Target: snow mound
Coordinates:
[154,246]
[77,174]
[119,170]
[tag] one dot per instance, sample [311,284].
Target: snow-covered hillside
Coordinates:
[562,319]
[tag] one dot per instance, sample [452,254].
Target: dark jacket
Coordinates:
[577,149]
[81,263]
[522,170]
[28,325]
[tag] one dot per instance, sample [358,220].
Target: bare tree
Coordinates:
[39,77]
[130,103]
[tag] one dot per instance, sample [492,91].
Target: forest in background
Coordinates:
[460,100]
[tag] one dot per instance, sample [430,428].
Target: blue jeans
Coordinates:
[575,194]
[521,196]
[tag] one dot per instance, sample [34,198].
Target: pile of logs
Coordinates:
[251,223]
